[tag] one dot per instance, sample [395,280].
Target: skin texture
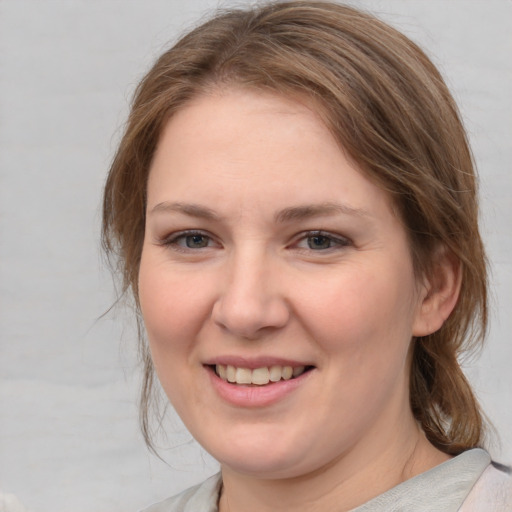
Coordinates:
[252,282]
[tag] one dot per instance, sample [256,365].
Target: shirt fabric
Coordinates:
[466,483]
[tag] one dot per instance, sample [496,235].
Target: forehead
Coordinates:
[260,146]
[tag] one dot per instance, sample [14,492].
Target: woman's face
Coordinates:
[271,261]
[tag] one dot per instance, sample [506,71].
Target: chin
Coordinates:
[266,456]
[265,467]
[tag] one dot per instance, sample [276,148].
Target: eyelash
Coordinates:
[334,242]
[173,240]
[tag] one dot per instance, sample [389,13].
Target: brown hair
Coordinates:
[388,106]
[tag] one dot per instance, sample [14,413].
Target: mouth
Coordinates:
[258,376]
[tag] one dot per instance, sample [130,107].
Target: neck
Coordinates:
[354,478]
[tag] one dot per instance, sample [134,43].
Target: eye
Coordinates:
[321,241]
[195,241]
[188,240]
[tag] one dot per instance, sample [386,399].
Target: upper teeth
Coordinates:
[259,376]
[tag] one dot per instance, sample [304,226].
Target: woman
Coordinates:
[294,207]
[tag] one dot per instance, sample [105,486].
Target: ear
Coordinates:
[438,294]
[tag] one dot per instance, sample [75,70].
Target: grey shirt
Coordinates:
[445,488]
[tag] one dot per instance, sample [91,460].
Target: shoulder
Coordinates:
[200,498]
[492,492]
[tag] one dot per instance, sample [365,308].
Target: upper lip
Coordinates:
[254,362]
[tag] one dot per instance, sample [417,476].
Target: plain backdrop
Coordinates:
[69,439]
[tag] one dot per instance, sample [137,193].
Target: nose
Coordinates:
[252,301]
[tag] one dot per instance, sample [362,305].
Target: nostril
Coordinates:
[251,318]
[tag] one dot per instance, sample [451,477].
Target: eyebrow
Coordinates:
[318,210]
[190,209]
[286,215]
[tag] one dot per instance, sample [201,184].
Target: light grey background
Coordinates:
[69,439]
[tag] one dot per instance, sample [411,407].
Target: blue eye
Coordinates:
[196,241]
[321,241]
[188,240]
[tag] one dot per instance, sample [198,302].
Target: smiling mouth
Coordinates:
[258,376]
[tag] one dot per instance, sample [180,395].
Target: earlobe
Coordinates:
[439,293]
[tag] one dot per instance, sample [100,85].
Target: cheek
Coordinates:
[361,310]
[170,305]
[363,327]
[157,302]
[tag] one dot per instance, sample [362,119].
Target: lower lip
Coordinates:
[255,396]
